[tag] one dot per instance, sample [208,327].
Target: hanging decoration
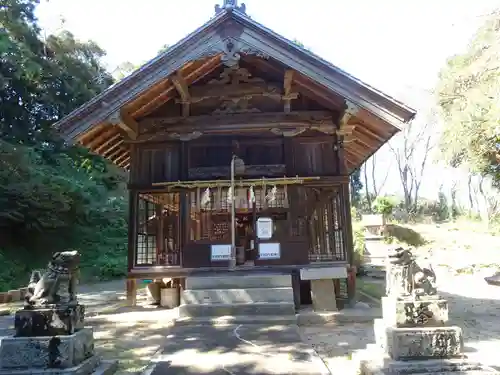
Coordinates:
[230,195]
[251,196]
[271,195]
[206,199]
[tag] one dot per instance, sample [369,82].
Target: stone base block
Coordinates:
[55,352]
[323,295]
[426,312]
[423,342]
[52,321]
[385,366]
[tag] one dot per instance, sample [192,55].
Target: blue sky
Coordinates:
[394,45]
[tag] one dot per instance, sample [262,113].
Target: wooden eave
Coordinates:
[380,116]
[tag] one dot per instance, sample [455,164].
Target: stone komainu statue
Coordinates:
[44,289]
[409,278]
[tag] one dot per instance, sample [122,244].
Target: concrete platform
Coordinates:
[236,349]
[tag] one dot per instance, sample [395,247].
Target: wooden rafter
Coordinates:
[91,133]
[115,154]
[121,158]
[102,148]
[365,140]
[97,141]
[124,162]
[183,90]
[112,147]
[362,128]
[206,68]
[311,90]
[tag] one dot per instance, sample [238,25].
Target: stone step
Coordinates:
[238,281]
[236,309]
[230,296]
[235,320]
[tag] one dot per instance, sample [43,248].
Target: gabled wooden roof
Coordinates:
[102,124]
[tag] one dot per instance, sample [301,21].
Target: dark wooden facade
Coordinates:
[299,124]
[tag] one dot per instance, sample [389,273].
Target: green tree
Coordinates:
[468,98]
[356,187]
[52,196]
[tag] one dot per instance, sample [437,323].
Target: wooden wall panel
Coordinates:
[314,157]
[156,163]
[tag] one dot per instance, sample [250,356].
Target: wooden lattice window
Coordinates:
[146,234]
[326,231]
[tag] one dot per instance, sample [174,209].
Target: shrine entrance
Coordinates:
[245,240]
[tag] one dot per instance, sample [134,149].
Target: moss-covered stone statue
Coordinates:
[57,285]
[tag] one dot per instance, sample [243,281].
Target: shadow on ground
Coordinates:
[243,349]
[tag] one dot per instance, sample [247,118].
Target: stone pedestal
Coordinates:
[423,342]
[53,355]
[46,351]
[431,312]
[413,336]
[54,321]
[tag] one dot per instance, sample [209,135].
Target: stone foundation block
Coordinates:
[423,342]
[323,295]
[26,353]
[49,321]
[427,312]
[371,365]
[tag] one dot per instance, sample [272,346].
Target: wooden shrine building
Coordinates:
[236,94]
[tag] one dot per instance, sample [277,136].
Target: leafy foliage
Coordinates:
[52,196]
[384,205]
[356,187]
[468,97]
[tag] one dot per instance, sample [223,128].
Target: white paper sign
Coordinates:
[269,251]
[264,228]
[220,252]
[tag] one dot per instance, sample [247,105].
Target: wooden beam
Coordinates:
[305,86]
[183,90]
[229,92]
[287,91]
[349,111]
[123,120]
[235,122]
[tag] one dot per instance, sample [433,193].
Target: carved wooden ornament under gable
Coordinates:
[231,50]
[234,76]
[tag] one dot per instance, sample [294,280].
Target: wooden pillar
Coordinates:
[160,235]
[131,292]
[131,286]
[345,201]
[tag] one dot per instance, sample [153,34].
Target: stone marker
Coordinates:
[413,335]
[50,337]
